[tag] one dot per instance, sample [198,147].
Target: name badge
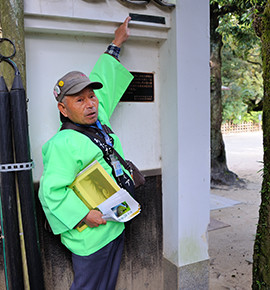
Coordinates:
[116,166]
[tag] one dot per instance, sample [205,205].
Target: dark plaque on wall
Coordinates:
[141,89]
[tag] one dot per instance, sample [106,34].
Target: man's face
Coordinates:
[81,108]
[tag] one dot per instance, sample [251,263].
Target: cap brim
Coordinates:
[76,89]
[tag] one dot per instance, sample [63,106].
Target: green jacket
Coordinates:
[67,153]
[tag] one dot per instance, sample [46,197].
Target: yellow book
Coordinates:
[93,185]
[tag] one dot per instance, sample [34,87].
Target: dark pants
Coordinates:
[99,270]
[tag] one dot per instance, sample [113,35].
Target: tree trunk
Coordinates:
[12,26]
[220,174]
[12,22]
[261,256]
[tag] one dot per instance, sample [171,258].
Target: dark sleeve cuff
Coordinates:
[113,50]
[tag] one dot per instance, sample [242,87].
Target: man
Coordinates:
[97,250]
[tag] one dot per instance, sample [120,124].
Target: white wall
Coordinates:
[185,127]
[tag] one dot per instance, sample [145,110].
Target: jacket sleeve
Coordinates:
[61,205]
[115,79]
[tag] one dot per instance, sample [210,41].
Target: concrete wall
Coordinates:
[185,111]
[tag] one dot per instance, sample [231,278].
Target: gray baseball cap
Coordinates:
[72,83]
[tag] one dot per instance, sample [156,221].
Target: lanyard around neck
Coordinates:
[106,136]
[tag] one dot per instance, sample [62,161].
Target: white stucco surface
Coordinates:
[185,129]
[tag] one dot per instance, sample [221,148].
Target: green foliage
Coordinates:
[242,4]
[238,30]
[241,68]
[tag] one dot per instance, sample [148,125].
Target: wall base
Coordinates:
[189,277]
